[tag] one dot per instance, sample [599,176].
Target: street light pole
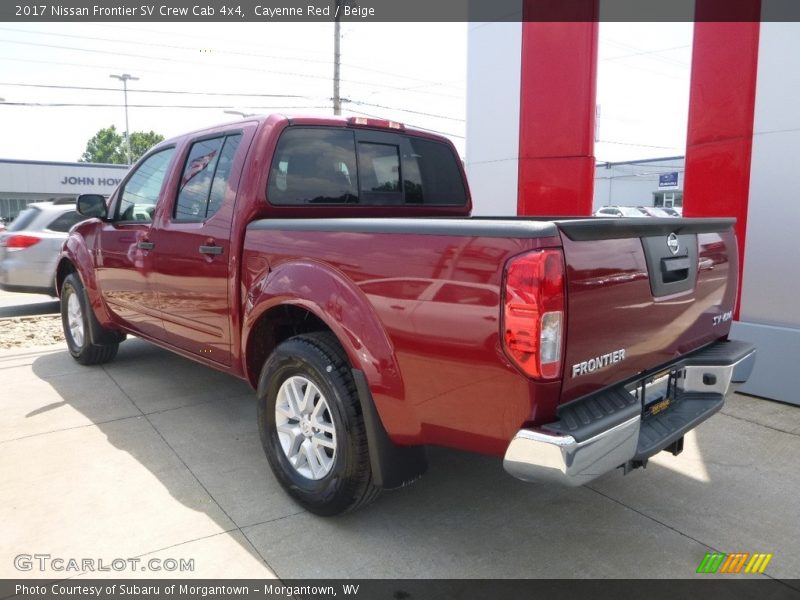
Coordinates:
[125,78]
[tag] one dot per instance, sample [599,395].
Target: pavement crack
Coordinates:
[678,531]
[192,473]
[281,518]
[794,433]
[646,516]
[92,424]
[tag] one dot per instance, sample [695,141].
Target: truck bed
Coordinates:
[435,287]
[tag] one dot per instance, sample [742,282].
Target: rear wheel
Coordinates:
[311,426]
[75,319]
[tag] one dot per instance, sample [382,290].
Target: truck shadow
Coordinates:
[465,518]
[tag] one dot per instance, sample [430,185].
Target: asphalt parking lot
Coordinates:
[156,456]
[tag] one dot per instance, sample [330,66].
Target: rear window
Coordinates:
[64,222]
[24,219]
[332,166]
[314,166]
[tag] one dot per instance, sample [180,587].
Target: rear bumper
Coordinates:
[21,275]
[600,433]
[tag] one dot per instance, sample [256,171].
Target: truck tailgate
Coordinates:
[642,292]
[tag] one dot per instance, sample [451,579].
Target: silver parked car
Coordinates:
[29,247]
[619,211]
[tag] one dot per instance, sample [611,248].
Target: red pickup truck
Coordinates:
[333,264]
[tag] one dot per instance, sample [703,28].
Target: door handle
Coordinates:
[211,250]
[145,245]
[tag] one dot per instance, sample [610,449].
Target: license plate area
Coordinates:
[657,392]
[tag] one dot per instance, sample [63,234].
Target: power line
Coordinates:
[653,52]
[229,52]
[206,64]
[105,105]
[139,91]
[362,113]
[639,145]
[229,94]
[405,110]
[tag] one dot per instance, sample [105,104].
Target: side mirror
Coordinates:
[92,205]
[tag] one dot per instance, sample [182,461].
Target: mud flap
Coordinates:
[392,466]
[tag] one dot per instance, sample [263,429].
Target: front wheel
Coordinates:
[75,319]
[311,425]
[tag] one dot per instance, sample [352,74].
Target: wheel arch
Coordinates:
[304,297]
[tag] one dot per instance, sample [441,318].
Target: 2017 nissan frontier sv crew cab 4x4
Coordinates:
[333,264]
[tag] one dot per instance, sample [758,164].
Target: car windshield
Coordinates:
[631,211]
[24,219]
[657,212]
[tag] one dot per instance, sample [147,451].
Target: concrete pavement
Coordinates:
[156,456]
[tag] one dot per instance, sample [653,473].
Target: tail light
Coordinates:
[533,323]
[20,241]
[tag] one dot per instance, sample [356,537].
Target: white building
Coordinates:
[654,182]
[531,102]
[26,181]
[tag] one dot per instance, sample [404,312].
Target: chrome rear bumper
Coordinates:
[542,454]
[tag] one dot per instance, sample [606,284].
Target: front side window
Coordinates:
[141,191]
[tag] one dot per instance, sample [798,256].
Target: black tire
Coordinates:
[83,351]
[348,485]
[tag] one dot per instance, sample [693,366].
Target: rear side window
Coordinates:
[331,166]
[24,219]
[63,223]
[205,178]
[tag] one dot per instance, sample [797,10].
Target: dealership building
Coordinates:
[653,182]
[26,181]
[531,100]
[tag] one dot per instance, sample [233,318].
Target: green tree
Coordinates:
[108,146]
[141,142]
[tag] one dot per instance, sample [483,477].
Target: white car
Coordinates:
[619,211]
[29,247]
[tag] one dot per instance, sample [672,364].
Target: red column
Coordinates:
[721,105]
[558,86]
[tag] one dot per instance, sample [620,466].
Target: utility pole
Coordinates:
[337,39]
[125,78]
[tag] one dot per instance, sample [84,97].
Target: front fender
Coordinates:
[332,297]
[77,251]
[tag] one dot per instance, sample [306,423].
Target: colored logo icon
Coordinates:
[738,562]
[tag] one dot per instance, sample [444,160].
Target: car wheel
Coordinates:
[311,425]
[75,319]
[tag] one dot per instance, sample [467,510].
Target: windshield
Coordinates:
[631,211]
[24,219]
